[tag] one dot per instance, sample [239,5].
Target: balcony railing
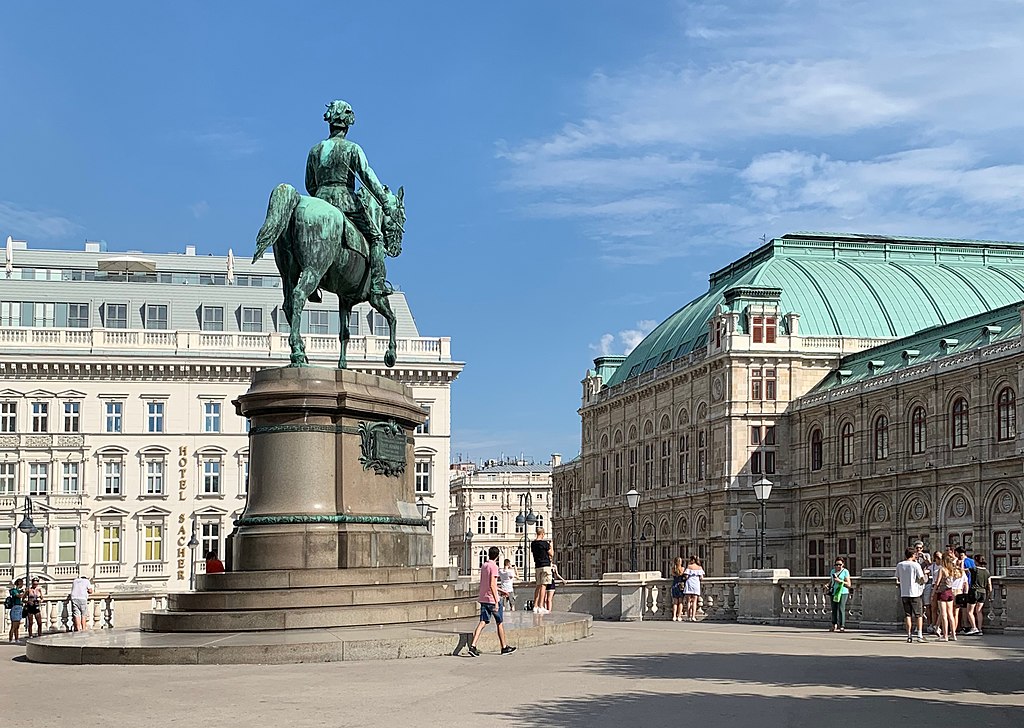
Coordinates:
[190,343]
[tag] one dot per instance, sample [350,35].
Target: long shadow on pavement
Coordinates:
[928,673]
[709,710]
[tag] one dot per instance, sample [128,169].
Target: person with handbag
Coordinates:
[678,577]
[951,582]
[839,584]
[981,590]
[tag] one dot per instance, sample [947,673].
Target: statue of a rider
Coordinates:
[331,171]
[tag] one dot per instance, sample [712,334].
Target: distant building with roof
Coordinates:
[117,375]
[872,379]
[485,504]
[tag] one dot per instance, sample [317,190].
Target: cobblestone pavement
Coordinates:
[647,674]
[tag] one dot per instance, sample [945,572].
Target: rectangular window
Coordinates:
[423,476]
[380,325]
[211,476]
[112,470]
[756,384]
[424,429]
[847,550]
[319,322]
[78,315]
[881,551]
[755,463]
[70,483]
[156,316]
[245,476]
[763,329]
[8,478]
[8,416]
[252,319]
[113,421]
[816,557]
[37,547]
[5,545]
[769,384]
[43,314]
[211,416]
[110,537]
[154,417]
[209,538]
[155,477]
[67,544]
[769,462]
[10,313]
[153,548]
[353,323]
[769,435]
[38,478]
[72,417]
[115,315]
[213,318]
[755,435]
[40,417]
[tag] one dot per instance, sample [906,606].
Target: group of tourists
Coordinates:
[26,605]
[947,589]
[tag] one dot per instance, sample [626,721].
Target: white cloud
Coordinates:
[899,118]
[199,209]
[26,224]
[628,339]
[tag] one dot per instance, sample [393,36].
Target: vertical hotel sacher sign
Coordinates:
[182,540]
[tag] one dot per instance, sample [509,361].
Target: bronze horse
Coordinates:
[315,246]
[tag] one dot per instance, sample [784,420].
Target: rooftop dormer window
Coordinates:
[763,329]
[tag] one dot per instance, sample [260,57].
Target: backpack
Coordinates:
[8,602]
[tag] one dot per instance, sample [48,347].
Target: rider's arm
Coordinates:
[311,171]
[369,179]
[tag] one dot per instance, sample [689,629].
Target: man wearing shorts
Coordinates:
[81,588]
[912,581]
[543,552]
[490,604]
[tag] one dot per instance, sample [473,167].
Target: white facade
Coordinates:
[116,415]
[485,503]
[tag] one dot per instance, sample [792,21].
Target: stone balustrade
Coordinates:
[756,596]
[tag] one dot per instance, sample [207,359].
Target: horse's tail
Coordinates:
[283,201]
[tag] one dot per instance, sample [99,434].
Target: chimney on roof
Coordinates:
[190,250]
[556,459]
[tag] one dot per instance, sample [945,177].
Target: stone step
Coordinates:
[314,597]
[300,617]
[133,647]
[289,578]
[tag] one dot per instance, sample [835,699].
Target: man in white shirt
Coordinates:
[912,581]
[81,588]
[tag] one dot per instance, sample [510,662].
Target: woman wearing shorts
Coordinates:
[678,578]
[16,594]
[34,608]
[950,577]
[691,587]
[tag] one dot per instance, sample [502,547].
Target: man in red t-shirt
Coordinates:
[490,604]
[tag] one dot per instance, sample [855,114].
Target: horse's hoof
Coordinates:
[389,359]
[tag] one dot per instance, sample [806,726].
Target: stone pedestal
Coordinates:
[881,607]
[758,596]
[1013,599]
[331,481]
[622,594]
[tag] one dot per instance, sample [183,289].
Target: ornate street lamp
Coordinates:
[469,541]
[526,518]
[192,544]
[632,500]
[762,491]
[425,509]
[28,528]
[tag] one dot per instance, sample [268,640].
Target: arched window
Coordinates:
[881,437]
[918,431]
[481,524]
[817,450]
[846,444]
[666,461]
[481,557]
[702,454]
[959,425]
[494,524]
[540,521]
[519,557]
[1006,414]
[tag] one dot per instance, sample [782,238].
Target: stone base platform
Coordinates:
[389,642]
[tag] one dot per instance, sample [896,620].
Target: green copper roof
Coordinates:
[850,285]
[991,327]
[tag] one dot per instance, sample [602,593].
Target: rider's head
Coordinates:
[339,113]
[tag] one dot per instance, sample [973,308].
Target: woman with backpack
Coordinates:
[15,604]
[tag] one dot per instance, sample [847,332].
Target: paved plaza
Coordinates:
[646,674]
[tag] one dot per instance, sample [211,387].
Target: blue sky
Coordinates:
[573,170]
